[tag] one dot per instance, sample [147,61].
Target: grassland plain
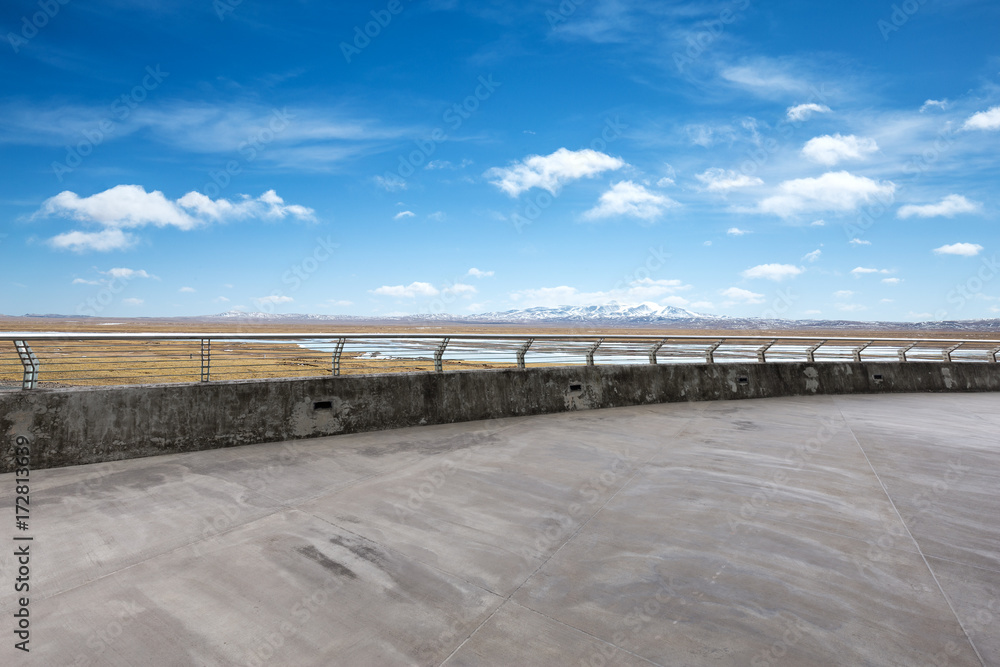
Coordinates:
[72,363]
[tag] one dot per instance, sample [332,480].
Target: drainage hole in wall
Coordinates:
[323,405]
[576,387]
[743,380]
[877,376]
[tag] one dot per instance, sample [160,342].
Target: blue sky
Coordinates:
[743,158]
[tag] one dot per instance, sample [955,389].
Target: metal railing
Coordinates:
[29,360]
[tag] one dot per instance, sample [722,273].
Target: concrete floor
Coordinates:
[852,530]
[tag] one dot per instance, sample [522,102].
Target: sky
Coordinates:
[742,158]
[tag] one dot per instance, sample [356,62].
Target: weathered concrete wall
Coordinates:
[75,426]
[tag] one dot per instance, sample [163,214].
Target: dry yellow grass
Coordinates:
[138,362]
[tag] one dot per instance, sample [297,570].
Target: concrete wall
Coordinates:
[75,426]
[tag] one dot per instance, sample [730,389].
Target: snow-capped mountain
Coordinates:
[611,312]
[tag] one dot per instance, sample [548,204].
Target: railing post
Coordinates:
[337,350]
[993,354]
[206,358]
[521,352]
[857,351]
[30,363]
[811,352]
[761,352]
[902,351]
[710,352]
[656,348]
[946,353]
[439,356]
[590,352]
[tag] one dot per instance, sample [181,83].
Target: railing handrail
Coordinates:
[472,336]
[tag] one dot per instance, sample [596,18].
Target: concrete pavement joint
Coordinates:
[915,543]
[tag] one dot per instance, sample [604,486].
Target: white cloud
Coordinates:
[766,77]
[801,112]
[476,273]
[81,281]
[984,120]
[221,299]
[130,206]
[551,172]
[273,299]
[948,207]
[188,290]
[628,198]
[736,231]
[390,184]
[930,104]
[891,281]
[829,150]
[773,271]
[818,223]
[812,256]
[132,301]
[742,295]
[459,288]
[662,292]
[843,294]
[859,242]
[861,270]
[833,191]
[103,241]
[410,291]
[720,180]
[404,214]
[437,216]
[128,274]
[664,182]
[963,249]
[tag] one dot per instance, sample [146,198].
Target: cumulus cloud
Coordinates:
[410,291]
[273,299]
[984,120]
[859,242]
[931,104]
[720,180]
[948,207]
[128,274]
[630,199]
[130,206]
[403,214]
[812,256]
[551,172]
[661,292]
[188,290]
[862,270]
[742,295]
[476,273]
[963,249]
[390,184]
[459,288]
[736,231]
[833,191]
[801,112]
[776,272]
[831,149]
